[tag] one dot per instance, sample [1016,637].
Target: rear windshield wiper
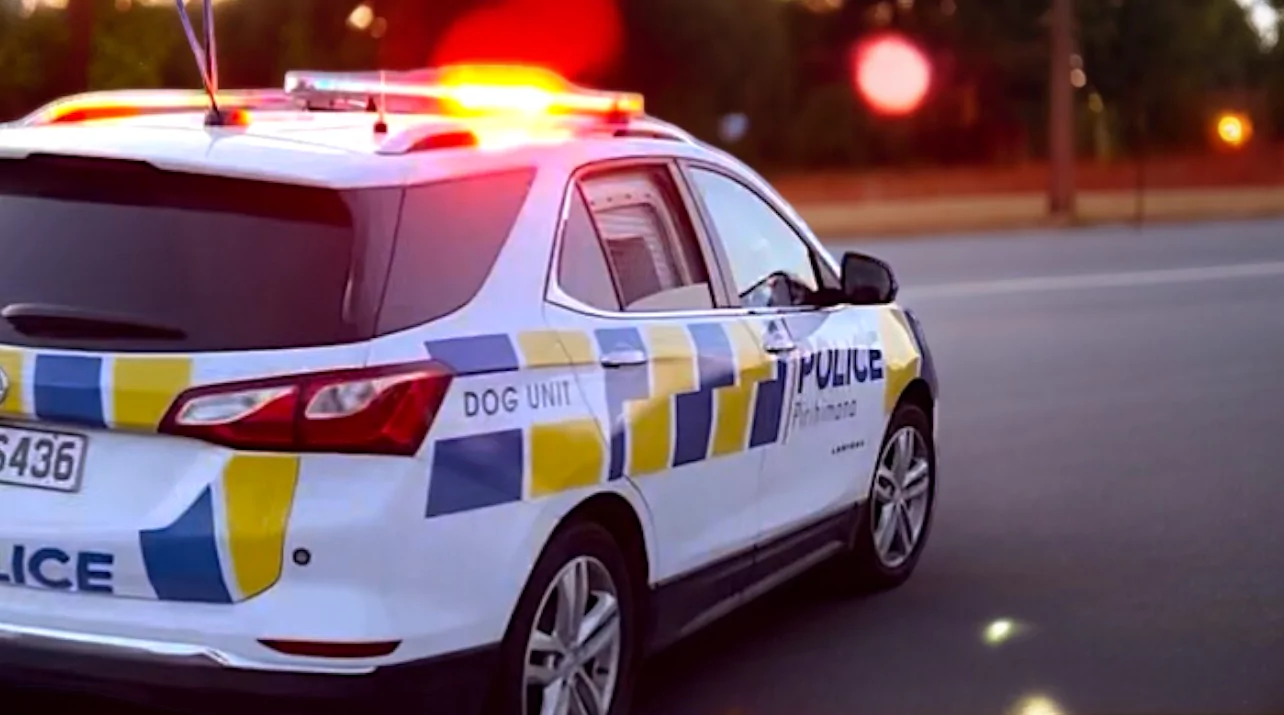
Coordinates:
[60,321]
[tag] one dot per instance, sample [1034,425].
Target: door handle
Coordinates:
[777,343]
[623,358]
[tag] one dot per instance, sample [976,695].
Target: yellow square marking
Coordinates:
[143,388]
[555,348]
[566,455]
[752,363]
[11,363]
[541,348]
[258,490]
[900,356]
[731,431]
[650,435]
[578,346]
[673,368]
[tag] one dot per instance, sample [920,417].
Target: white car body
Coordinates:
[170,549]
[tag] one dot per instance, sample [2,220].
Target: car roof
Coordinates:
[328,149]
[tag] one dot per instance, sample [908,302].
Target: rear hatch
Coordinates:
[121,287]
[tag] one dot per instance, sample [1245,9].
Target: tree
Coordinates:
[25,77]
[1164,62]
[699,60]
[81,15]
[137,48]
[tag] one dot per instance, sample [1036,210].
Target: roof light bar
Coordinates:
[93,106]
[468,90]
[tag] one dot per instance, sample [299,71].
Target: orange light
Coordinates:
[499,75]
[113,105]
[483,89]
[97,106]
[1234,130]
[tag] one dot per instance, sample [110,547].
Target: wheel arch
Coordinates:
[617,507]
[615,513]
[919,393]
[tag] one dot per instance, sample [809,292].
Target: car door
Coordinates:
[834,413]
[675,375]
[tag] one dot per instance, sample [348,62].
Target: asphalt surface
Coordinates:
[1111,440]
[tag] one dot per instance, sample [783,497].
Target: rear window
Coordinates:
[149,260]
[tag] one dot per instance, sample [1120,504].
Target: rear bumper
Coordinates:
[195,681]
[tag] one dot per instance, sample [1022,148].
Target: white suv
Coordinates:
[465,385]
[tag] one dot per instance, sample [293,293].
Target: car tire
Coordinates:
[870,563]
[578,553]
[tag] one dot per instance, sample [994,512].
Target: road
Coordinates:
[1112,430]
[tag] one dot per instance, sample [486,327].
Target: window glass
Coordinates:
[648,240]
[162,261]
[582,270]
[450,235]
[770,263]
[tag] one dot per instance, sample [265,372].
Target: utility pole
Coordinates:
[75,73]
[1061,191]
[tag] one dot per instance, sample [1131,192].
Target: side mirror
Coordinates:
[867,280]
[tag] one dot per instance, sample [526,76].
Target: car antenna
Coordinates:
[207,61]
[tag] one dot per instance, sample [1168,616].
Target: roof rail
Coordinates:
[428,138]
[646,132]
[131,103]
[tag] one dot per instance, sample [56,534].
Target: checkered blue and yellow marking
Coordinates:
[706,390]
[229,544]
[121,392]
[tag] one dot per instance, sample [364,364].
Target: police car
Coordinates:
[466,387]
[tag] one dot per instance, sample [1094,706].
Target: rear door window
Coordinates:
[451,232]
[583,272]
[650,245]
[150,260]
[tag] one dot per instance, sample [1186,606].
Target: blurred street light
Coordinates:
[733,127]
[1234,130]
[361,17]
[892,74]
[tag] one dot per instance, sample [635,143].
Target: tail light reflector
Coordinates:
[386,409]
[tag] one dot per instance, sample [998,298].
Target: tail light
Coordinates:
[379,410]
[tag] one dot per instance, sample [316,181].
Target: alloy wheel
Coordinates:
[901,496]
[574,653]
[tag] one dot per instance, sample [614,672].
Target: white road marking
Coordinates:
[1043,284]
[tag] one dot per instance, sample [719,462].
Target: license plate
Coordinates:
[41,458]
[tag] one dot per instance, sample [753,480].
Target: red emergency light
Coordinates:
[470,90]
[503,92]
